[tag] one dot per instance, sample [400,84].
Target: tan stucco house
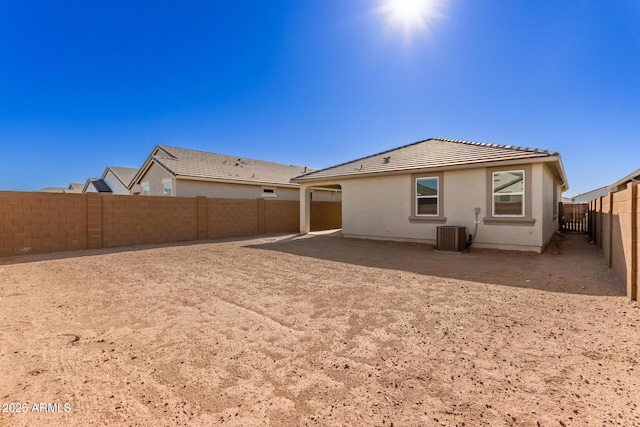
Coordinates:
[172,171]
[114,180]
[510,193]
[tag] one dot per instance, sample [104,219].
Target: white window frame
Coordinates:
[494,194]
[146,189]
[164,189]
[437,197]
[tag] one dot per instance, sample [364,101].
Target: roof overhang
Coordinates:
[237,181]
[559,169]
[621,184]
[146,165]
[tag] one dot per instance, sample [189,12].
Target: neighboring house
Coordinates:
[510,193]
[588,196]
[622,184]
[118,179]
[72,188]
[115,180]
[96,185]
[172,171]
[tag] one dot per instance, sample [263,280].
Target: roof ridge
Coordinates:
[457,141]
[487,144]
[366,157]
[165,147]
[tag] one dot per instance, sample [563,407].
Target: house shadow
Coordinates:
[569,264]
[79,253]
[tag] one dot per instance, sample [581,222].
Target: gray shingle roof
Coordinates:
[200,164]
[427,154]
[125,175]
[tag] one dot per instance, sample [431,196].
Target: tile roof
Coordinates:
[51,190]
[125,175]
[75,188]
[200,164]
[427,154]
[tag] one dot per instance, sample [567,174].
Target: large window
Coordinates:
[508,193]
[427,196]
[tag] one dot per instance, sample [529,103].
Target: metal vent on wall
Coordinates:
[452,238]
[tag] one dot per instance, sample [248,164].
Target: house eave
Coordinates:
[478,165]
[237,181]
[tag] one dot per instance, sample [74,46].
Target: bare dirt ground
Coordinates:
[318,331]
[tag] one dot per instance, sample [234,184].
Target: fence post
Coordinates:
[201,217]
[94,221]
[599,221]
[261,216]
[633,279]
[610,237]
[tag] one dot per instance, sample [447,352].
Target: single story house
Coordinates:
[96,185]
[506,197]
[118,178]
[588,196]
[115,180]
[172,171]
[72,188]
[622,183]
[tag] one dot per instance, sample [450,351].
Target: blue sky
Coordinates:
[85,85]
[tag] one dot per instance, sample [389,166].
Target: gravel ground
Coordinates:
[317,330]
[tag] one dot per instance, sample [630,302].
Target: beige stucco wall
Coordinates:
[154,176]
[189,188]
[379,208]
[326,195]
[114,183]
[549,209]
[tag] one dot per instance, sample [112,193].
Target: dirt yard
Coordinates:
[318,331]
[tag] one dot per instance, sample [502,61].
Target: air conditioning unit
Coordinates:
[452,238]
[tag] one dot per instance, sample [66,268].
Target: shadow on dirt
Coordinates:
[569,264]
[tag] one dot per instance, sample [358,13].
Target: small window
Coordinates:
[508,193]
[167,189]
[427,192]
[269,192]
[146,191]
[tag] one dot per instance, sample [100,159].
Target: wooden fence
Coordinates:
[574,217]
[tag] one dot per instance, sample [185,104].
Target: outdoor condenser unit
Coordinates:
[452,238]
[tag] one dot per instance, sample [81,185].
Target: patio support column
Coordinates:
[305,209]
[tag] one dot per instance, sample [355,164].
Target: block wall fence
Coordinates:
[43,222]
[615,230]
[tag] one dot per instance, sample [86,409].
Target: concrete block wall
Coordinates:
[142,220]
[325,215]
[282,216]
[46,222]
[617,233]
[41,222]
[232,218]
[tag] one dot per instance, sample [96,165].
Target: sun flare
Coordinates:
[411,16]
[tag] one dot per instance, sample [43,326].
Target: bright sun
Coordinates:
[411,15]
